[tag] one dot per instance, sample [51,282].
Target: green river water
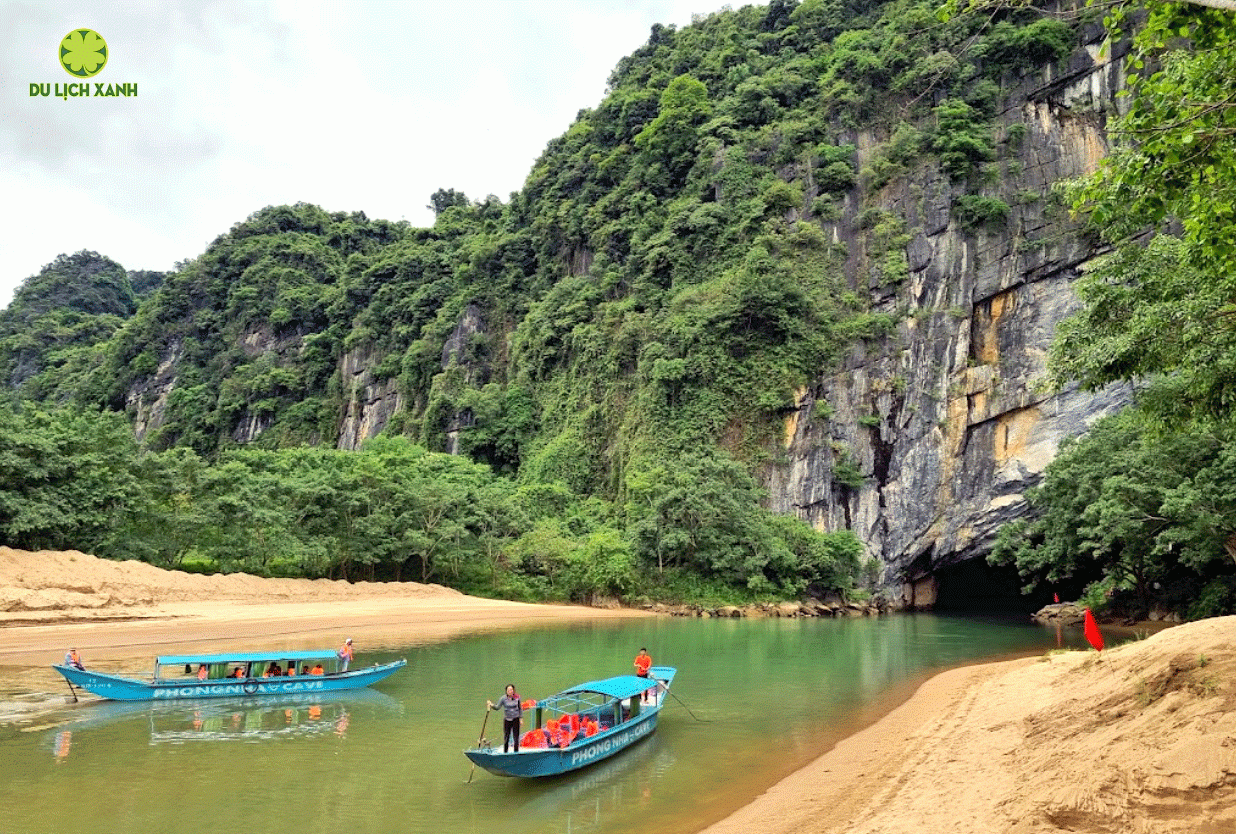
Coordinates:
[768,696]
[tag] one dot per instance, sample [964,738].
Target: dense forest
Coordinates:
[589,374]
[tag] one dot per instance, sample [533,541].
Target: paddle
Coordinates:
[479,741]
[679,700]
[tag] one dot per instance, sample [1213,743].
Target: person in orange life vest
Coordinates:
[642,664]
[512,712]
[317,670]
[291,669]
[345,655]
[72,658]
[203,672]
[239,673]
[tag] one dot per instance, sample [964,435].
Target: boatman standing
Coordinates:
[642,664]
[512,711]
[345,655]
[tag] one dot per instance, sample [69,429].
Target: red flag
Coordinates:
[1093,635]
[1057,598]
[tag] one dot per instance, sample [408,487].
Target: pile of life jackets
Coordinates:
[559,732]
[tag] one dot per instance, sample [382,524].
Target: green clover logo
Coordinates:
[83,53]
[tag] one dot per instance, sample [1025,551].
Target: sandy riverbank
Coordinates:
[120,614]
[1141,739]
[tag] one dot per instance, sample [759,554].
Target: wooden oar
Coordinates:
[479,740]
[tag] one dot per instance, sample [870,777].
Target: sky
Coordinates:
[241,104]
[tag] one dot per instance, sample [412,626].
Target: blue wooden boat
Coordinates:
[581,726]
[238,674]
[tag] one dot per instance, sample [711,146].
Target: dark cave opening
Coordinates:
[974,585]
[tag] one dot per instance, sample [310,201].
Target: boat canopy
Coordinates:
[624,686]
[241,657]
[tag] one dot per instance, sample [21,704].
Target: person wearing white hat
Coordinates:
[345,655]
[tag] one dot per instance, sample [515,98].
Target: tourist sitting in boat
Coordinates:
[239,672]
[304,668]
[317,670]
[203,672]
[273,671]
[291,669]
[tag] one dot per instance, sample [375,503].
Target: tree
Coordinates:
[174,517]
[445,198]
[1172,169]
[1128,506]
[670,139]
[66,477]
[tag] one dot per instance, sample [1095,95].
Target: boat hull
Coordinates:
[119,688]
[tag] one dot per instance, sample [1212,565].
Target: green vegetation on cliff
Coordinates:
[1145,506]
[688,255]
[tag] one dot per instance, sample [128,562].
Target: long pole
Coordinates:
[479,740]
[670,692]
[71,692]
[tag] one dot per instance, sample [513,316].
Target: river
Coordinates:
[754,700]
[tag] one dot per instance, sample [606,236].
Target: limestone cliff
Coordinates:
[369,403]
[948,422]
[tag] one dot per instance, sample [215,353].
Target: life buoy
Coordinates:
[250,687]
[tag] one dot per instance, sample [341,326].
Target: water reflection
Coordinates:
[227,720]
[589,799]
[63,744]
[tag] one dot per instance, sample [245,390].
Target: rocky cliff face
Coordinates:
[147,402]
[925,444]
[369,403]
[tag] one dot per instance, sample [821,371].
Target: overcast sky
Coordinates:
[354,106]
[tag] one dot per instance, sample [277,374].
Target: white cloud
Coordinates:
[355,106]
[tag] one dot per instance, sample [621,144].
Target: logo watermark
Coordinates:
[83,53]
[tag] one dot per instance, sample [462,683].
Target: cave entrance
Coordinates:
[975,586]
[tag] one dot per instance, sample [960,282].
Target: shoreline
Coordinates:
[119,615]
[1138,738]
[30,688]
[1141,737]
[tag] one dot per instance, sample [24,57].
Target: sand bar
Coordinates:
[119,615]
